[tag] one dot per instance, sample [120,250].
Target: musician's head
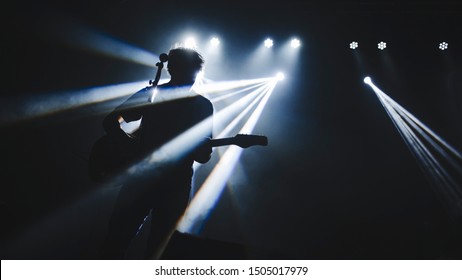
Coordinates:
[183,65]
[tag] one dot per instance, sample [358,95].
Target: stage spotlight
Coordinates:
[295,43]
[382,45]
[280,76]
[190,43]
[354,45]
[367,80]
[268,43]
[443,46]
[214,41]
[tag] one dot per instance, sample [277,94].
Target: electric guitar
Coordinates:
[111,154]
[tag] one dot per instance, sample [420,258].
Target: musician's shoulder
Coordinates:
[203,101]
[165,86]
[201,98]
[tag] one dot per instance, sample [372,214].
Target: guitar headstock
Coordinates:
[247,140]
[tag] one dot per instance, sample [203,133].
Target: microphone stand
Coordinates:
[163,58]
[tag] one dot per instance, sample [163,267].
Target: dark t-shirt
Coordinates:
[170,113]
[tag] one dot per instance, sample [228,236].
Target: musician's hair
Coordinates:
[188,59]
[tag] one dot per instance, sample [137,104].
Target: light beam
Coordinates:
[45,105]
[439,161]
[208,194]
[89,39]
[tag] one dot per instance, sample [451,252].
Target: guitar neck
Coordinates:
[222,141]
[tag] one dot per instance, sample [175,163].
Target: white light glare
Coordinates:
[382,45]
[200,75]
[443,46]
[280,76]
[268,43]
[368,80]
[354,45]
[295,43]
[214,41]
[190,43]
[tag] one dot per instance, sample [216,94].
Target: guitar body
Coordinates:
[111,154]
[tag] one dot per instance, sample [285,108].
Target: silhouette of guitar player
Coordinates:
[166,111]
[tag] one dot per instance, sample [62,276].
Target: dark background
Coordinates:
[336,182]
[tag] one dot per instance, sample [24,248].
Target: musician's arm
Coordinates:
[111,123]
[127,111]
[203,152]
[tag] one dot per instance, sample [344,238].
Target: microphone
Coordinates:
[163,57]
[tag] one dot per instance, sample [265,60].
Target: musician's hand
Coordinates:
[203,151]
